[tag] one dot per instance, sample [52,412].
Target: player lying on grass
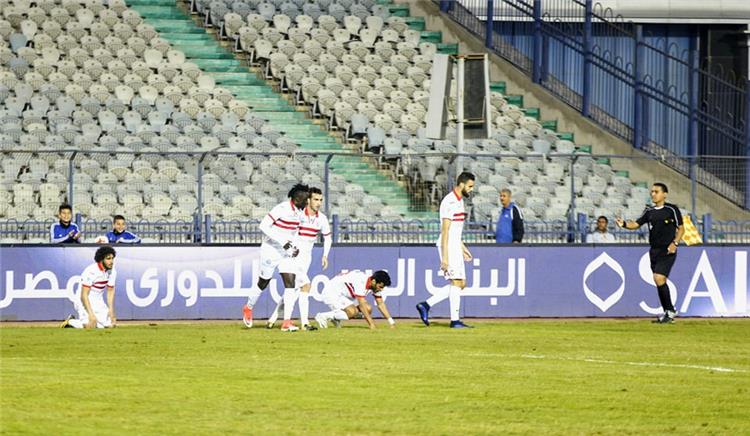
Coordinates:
[89,303]
[345,296]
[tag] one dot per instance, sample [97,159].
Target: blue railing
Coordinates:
[647,88]
[349,231]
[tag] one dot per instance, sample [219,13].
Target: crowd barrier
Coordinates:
[212,282]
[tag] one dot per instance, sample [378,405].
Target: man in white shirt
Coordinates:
[345,296]
[452,251]
[89,303]
[312,222]
[600,235]
[279,229]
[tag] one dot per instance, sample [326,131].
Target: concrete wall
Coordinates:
[570,120]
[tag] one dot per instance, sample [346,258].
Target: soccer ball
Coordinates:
[101,240]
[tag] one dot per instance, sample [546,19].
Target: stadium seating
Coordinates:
[374,66]
[124,90]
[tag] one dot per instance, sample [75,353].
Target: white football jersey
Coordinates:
[286,220]
[352,284]
[98,278]
[309,227]
[452,208]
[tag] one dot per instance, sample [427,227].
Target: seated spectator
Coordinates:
[600,235]
[64,231]
[119,235]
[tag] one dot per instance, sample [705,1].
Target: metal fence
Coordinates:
[348,231]
[644,88]
[220,197]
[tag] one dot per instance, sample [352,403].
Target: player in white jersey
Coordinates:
[279,229]
[452,251]
[89,303]
[345,296]
[312,222]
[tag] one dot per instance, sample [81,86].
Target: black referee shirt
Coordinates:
[662,224]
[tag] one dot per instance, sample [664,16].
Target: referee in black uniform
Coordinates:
[665,232]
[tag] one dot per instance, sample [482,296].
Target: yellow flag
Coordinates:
[691,235]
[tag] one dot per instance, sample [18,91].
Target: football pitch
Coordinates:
[514,376]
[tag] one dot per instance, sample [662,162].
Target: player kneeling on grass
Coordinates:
[90,305]
[345,296]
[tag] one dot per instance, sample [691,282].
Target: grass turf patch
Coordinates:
[572,376]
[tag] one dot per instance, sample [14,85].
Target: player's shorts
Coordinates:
[456,265]
[98,306]
[339,302]
[661,261]
[270,258]
[298,266]
[335,299]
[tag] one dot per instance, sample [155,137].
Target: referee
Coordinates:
[665,232]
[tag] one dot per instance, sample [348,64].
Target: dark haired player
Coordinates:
[345,296]
[452,251]
[665,232]
[312,222]
[89,303]
[280,228]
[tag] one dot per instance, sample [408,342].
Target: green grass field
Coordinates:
[525,376]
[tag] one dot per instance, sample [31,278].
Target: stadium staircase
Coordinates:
[202,48]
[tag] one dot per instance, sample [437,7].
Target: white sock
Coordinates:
[304,307]
[77,323]
[335,314]
[439,296]
[455,302]
[290,296]
[340,315]
[277,311]
[253,297]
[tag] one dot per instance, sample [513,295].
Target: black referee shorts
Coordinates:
[661,261]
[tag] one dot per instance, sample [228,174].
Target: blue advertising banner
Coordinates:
[212,282]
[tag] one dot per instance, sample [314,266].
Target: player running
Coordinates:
[312,222]
[89,303]
[345,296]
[279,229]
[452,251]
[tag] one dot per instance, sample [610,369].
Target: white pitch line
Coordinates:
[617,362]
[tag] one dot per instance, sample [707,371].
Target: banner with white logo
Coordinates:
[37,283]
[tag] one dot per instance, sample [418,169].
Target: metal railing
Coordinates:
[192,197]
[347,231]
[645,88]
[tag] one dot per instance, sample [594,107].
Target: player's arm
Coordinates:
[384,310]
[467,253]
[327,242]
[87,305]
[111,304]
[366,313]
[267,227]
[444,228]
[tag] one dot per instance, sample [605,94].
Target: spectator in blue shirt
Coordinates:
[64,231]
[509,226]
[119,235]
